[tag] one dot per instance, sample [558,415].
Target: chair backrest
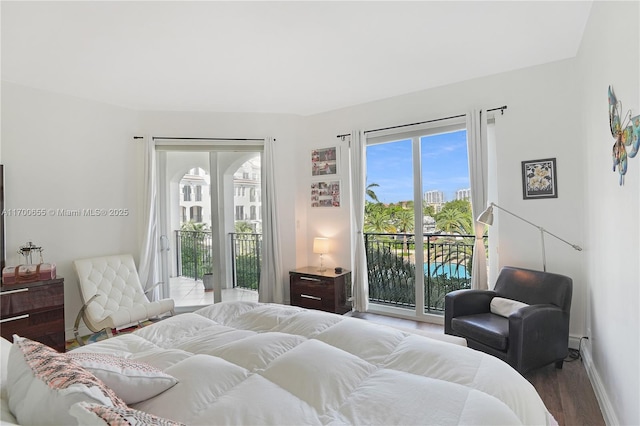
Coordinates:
[115,278]
[535,287]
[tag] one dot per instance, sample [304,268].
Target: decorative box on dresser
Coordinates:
[326,291]
[35,311]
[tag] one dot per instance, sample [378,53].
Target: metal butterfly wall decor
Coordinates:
[626,132]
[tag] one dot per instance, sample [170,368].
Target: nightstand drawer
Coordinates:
[35,311]
[31,299]
[312,295]
[318,289]
[325,291]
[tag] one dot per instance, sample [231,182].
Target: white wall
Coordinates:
[61,152]
[610,55]
[541,122]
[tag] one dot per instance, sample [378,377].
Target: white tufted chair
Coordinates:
[112,294]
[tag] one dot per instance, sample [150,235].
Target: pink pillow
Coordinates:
[43,384]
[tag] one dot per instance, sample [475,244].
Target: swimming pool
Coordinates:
[449,270]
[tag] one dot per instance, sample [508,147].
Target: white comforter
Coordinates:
[245,363]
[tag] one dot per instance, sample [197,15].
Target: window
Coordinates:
[196,213]
[252,214]
[239,212]
[417,217]
[186,193]
[184,215]
[198,193]
[252,195]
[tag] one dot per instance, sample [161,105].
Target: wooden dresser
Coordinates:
[35,311]
[326,291]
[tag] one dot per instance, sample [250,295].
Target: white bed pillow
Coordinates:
[133,381]
[43,384]
[505,307]
[100,415]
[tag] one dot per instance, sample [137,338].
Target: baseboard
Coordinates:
[574,342]
[608,413]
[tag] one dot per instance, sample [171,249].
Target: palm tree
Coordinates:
[454,221]
[370,193]
[404,223]
[456,218]
[377,222]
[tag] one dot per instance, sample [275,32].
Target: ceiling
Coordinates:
[297,57]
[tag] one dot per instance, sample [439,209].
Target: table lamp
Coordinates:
[321,246]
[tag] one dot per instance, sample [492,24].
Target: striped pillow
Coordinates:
[43,384]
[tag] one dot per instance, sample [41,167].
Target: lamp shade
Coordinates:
[320,245]
[486,216]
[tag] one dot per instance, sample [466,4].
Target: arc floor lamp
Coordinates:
[486,217]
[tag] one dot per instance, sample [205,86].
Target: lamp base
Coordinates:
[322,269]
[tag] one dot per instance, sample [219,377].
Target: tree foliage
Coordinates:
[243,227]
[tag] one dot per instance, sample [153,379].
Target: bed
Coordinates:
[245,363]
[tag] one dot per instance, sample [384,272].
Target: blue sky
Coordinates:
[444,167]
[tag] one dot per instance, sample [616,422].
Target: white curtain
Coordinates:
[478,159]
[271,289]
[148,270]
[358,182]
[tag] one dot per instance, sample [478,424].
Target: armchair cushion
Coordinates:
[492,330]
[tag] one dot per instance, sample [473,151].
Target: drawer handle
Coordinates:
[306,296]
[19,317]
[310,279]
[20,290]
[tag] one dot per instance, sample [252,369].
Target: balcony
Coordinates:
[390,263]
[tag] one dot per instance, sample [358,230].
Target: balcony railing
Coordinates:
[246,255]
[390,263]
[194,253]
[392,269]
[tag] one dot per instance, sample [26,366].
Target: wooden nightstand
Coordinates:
[35,311]
[326,291]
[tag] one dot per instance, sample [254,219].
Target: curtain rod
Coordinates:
[199,139]
[501,109]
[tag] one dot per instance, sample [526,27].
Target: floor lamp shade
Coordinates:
[321,246]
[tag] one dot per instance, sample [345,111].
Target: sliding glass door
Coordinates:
[417,219]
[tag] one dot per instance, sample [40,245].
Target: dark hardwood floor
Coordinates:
[567,393]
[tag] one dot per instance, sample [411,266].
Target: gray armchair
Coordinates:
[530,337]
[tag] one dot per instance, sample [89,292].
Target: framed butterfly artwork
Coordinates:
[626,132]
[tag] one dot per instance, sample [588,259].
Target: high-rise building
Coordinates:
[434,197]
[463,194]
